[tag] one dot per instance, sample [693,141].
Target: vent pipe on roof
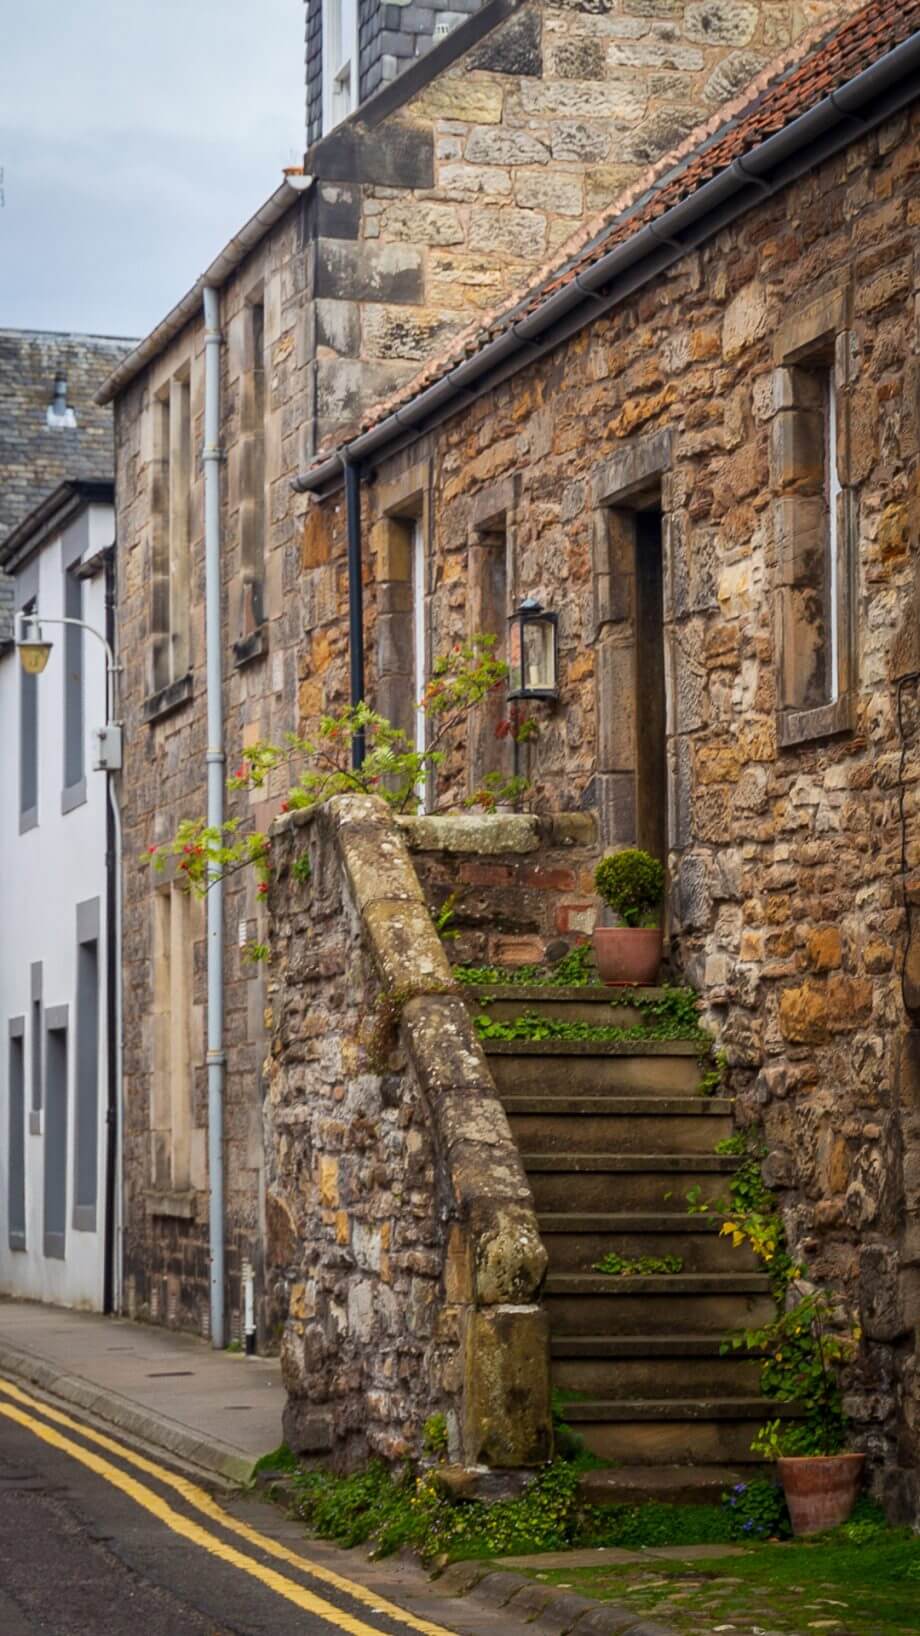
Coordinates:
[59,415]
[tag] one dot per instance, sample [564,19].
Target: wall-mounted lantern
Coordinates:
[533,652]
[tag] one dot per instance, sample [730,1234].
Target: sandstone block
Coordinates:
[747,319]
[720,22]
[506,1406]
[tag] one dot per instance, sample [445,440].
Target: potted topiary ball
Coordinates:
[631,883]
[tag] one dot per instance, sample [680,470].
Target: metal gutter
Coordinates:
[865,101]
[234,252]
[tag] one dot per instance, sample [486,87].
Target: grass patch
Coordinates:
[862,1580]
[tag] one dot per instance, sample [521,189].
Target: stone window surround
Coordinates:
[817,333]
[641,464]
[492,516]
[252,641]
[170,695]
[404,501]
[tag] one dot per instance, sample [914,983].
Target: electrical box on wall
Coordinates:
[107,748]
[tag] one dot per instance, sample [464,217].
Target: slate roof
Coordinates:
[35,458]
[792,85]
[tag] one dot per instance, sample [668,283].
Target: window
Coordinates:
[171,533]
[35,1043]
[419,646]
[86,1093]
[55,1131]
[399,541]
[813,527]
[488,616]
[171,1102]
[253,509]
[631,494]
[16,1173]
[28,745]
[72,642]
[340,60]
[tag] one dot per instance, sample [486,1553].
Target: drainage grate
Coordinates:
[169,1374]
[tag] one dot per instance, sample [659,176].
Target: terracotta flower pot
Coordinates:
[820,1489]
[628,954]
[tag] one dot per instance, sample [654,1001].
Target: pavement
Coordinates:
[218,1412]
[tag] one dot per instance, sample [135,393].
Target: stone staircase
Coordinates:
[612,1139]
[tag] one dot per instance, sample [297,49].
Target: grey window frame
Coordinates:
[16,1149]
[54,1242]
[27,597]
[36,1049]
[87,1063]
[74,544]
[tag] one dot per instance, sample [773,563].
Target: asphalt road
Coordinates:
[97,1540]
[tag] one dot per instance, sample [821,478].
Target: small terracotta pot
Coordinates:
[628,954]
[820,1489]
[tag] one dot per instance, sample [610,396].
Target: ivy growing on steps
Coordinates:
[576,969]
[637,1266]
[530,1025]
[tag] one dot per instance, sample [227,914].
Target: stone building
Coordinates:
[413,215]
[698,442]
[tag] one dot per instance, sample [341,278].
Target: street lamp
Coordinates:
[35,651]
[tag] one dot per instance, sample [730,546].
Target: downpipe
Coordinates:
[211,457]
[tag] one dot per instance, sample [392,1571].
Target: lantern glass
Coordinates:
[532,652]
[34,656]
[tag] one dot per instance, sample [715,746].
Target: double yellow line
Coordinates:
[193,1531]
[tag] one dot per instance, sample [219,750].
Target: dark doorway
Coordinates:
[651,712]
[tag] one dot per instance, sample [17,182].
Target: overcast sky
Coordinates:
[136,136]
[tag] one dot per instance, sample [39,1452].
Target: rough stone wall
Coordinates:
[436,208]
[34,457]
[412,1257]
[785,858]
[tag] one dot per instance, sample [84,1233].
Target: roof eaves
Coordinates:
[52,514]
[234,252]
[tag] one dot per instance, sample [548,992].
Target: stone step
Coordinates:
[612,1124]
[586,1068]
[625,1181]
[627,1367]
[655,1304]
[668,1431]
[575,1242]
[595,1005]
[702,1484]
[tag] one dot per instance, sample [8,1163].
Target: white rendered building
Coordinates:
[57,884]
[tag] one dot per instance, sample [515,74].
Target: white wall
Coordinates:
[44,873]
